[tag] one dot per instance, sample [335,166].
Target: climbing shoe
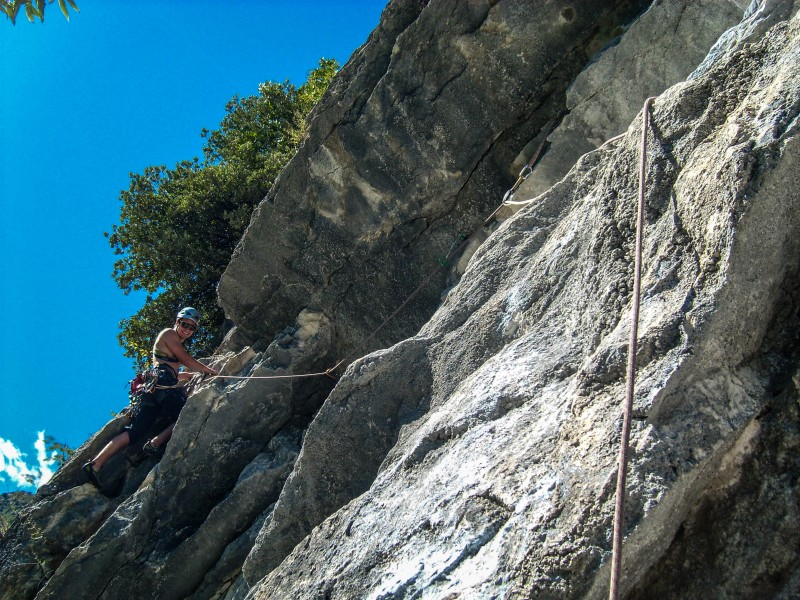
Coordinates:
[149,450]
[91,474]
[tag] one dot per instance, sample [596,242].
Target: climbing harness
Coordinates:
[146,382]
[616,552]
[143,383]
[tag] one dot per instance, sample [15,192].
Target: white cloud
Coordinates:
[45,462]
[14,466]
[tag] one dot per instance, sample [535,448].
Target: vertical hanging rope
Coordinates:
[616,552]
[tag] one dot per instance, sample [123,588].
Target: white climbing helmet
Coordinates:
[189,313]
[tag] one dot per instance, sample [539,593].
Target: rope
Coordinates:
[616,560]
[329,372]
[616,552]
[442,263]
[320,374]
[523,175]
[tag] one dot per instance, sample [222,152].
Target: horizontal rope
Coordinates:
[322,373]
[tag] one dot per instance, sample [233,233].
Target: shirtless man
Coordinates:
[168,396]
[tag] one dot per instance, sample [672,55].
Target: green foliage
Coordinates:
[11,505]
[57,451]
[33,9]
[178,227]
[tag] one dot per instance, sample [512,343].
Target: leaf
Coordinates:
[30,11]
[63,6]
[74,6]
[14,10]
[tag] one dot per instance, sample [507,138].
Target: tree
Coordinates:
[33,9]
[59,453]
[178,227]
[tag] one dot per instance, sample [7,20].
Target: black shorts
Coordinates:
[160,401]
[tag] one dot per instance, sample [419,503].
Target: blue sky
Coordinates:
[123,85]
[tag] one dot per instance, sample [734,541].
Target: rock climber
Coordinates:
[168,395]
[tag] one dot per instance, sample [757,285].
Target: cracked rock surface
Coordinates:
[473,452]
[504,487]
[405,161]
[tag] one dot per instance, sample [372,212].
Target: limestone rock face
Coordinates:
[659,50]
[501,482]
[409,154]
[473,453]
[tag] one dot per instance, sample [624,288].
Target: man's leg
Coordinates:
[91,468]
[141,422]
[118,443]
[173,401]
[163,437]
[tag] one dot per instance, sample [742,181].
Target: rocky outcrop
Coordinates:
[660,49]
[198,511]
[10,505]
[474,455]
[409,153]
[503,485]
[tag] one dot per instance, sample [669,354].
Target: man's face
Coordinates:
[185,328]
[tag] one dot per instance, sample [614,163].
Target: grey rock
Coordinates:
[344,448]
[505,487]
[473,454]
[739,540]
[43,534]
[210,554]
[759,17]
[660,49]
[225,465]
[409,155]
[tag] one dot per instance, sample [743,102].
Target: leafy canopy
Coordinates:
[178,227]
[33,9]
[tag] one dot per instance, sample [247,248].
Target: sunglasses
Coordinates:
[187,325]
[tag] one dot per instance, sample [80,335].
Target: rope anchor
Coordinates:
[523,175]
[526,170]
